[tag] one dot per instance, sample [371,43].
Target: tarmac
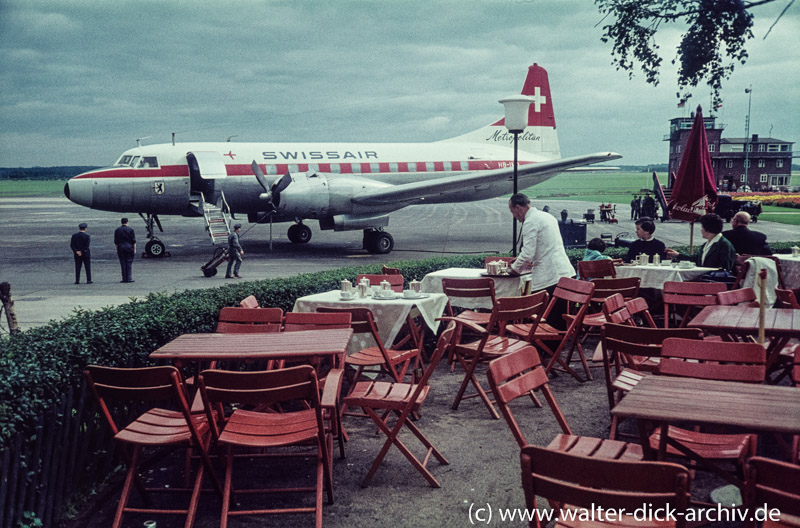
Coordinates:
[36,258]
[483,474]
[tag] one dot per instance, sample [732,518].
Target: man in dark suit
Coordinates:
[80,251]
[717,252]
[125,241]
[745,241]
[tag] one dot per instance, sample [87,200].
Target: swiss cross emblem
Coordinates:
[158,187]
[537,99]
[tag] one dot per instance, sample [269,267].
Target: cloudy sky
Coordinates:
[81,80]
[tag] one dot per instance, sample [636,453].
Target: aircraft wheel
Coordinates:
[299,234]
[155,248]
[380,243]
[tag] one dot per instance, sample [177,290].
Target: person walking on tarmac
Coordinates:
[235,253]
[80,250]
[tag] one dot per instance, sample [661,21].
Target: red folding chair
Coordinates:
[157,428]
[633,353]
[282,433]
[744,296]
[400,399]
[692,296]
[521,373]
[584,484]
[775,484]
[596,269]
[234,320]
[577,294]
[493,341]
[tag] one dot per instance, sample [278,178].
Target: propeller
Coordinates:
[272,192]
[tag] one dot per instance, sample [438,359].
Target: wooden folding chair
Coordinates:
[786,299]
[775,484]
[633,352]
[266,430]
[481,288]
[715,360]
[395,279]
[744,268]
[393,361]
[596,269]
[400,399]
[521,373]
[693,296]
[234,320]
[249,302]
[493,341]
[627,287]
[744,296]
[574,483]
[296,321]
[386,270]
[575,293]
[158,427]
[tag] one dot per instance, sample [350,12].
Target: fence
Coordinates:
[39,473]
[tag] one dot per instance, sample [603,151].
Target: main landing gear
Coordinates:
[377,241]
[299,233]
[154,248]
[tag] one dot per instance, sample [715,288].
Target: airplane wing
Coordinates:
[410,192]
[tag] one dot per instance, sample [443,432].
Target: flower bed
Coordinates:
[780,199]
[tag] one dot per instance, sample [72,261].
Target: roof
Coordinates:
[757,140]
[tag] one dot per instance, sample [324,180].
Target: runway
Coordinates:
[36,259]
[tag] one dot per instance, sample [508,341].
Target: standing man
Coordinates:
[745,241]
[638,212]
[543,252]
[80,251]
[235,252]
[125,242]
[633,208]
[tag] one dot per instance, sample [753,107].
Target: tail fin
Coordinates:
[540,136]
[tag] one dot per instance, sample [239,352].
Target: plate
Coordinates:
[417,296]
[385,297]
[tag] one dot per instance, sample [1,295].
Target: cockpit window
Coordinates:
[125,160]
[148,162]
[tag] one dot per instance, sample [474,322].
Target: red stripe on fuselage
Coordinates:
[182,171]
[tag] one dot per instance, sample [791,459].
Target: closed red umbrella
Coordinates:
[695,191]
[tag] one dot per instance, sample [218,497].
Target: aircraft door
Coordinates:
[204,169]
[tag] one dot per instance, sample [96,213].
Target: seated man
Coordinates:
[717,252]
[645,227]
[745,241]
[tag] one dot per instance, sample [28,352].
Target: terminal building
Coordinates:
[759,163]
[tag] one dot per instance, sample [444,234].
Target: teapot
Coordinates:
[386,286]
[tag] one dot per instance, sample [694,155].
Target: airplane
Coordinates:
[344,186]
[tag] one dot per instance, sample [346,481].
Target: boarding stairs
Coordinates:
[216,215]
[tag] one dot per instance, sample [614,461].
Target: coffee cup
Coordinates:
[410,294]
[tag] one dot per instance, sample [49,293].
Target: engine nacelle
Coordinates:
[307,196]
[349,222]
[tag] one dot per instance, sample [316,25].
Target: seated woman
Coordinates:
[647,245]
[717,252]
[594,250]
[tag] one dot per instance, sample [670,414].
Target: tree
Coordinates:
[713,42]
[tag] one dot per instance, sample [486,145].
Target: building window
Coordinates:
[779,164]
[762,163]
[728,164]
[679,149]
[764,178]
[773,148]
[785,148]
[743,178]
[747,164]
[761,147]
[711,147]
[750,147]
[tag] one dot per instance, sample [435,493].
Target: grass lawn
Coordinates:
[43,188]
[782,215]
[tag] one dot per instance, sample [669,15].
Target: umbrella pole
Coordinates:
[762,289]
[691,237]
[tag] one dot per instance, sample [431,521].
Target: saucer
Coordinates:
[346,296]
[384,297]
[414,295]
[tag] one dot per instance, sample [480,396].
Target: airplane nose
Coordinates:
[79,191]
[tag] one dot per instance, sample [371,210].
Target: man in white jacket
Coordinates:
[542,253]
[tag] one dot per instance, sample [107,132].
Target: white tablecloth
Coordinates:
[503,286]
[790,269]
[390,315]
[655,276]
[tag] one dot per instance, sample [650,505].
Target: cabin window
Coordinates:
[272,170]
[374,167]
[392,167]
[148,162]
[412,166]
[336,168]
[448,166]
[429,166]
[294,168]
